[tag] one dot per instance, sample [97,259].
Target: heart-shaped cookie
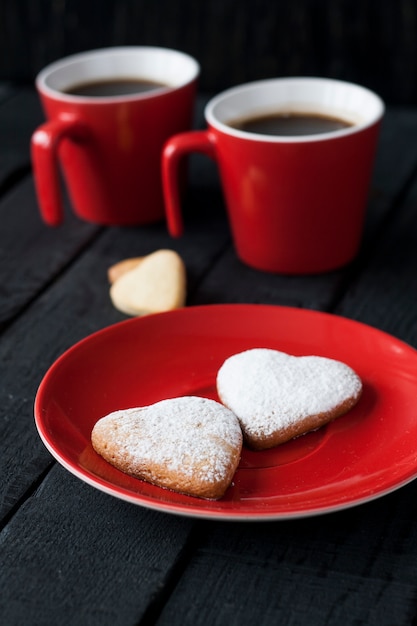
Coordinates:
[190,444]
[277,397]
[154,283]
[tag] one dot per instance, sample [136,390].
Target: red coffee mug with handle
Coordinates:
[296,203]
[109,146]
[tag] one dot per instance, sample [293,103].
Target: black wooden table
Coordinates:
[71,554]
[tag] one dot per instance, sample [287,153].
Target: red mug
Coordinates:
[296,203]
[109,146]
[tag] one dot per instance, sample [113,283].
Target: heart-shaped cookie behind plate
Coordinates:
[190,444]
[154,283]
[277,397]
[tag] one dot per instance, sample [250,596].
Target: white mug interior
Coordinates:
[170,67]
[353,103]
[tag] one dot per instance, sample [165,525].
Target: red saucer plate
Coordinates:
[363,455]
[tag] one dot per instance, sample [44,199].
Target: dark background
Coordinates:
[372,42]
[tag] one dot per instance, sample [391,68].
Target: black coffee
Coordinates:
[290,124]
[113,87]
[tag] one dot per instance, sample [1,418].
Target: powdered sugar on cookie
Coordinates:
[277,396]
[188,444]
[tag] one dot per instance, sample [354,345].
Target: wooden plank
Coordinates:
[6,90]
[73,555]
[32,254]
[20,114]
[367,42]
[307,572]
[384,295]
[394,171]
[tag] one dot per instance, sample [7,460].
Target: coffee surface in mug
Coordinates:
[289,123]
[113,87]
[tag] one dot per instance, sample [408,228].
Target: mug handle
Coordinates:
[44,153]
[175,148]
